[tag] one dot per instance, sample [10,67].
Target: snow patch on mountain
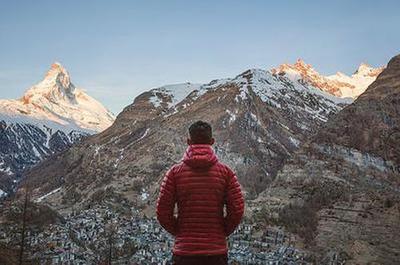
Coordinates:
[2,193]
[172,94]
[232,116]
[144,195]
[5,169]
[294,141]
[47,195]
[144,134]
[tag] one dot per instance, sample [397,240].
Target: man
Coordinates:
[201,186]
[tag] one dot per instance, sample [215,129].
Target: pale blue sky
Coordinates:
[117,49]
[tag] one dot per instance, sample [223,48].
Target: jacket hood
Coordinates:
[200,156]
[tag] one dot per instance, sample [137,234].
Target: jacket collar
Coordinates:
[199,156]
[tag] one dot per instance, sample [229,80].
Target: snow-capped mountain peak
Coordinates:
[366,70]
[55,70]
[56,102]
[56,86]
[357,83]
[340,84]
[296,71]
[58,75]
[302,66]
[48,118]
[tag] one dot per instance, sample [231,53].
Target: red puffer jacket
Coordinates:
[201,186]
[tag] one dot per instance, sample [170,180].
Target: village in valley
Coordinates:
[98,235]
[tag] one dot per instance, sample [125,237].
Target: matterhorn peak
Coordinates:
[299,66]
[56,68]
[58,73]
[56,101]
[55,86]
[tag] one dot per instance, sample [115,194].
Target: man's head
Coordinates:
[200,132]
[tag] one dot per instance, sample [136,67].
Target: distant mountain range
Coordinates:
[47,119]
[260,117]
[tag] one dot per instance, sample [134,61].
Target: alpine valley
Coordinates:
[317,157]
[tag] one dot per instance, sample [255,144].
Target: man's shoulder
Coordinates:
[225,168]
[175,168]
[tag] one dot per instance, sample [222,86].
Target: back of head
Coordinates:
[199,153]
[200,132]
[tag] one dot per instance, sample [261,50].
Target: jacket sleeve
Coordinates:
[166,203]
[234,204]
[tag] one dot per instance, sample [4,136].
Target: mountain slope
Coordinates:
[346,181]
[50,117]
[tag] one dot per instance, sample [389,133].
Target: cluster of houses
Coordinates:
[95,236]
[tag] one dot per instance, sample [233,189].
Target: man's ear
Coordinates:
[212,141]
[188,141]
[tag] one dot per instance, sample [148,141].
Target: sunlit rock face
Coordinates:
[339,84]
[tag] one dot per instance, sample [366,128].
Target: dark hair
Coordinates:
[200,132]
